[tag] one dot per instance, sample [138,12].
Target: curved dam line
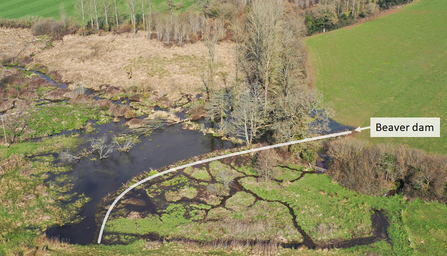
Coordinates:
[206,161]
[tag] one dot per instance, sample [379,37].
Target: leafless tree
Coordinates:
[63,13]
[67,157]
[91,12]
[168,30]
[116,13]
[176,24]
[132,6]
[80,9]
[159,28]
[246,120]
[125,142]
[264,29]
[194,22]
[266,162]
[95,9]
[102,146]
[143,9]
[299,114]
[220,104]
[216,189]
[106,7]
[149,21]
[208,75]
[226,177]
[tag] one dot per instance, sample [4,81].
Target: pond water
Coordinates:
[98,178]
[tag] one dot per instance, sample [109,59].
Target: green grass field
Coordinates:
[14,9]
[392,66]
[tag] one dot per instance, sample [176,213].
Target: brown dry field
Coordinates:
[96,60]
[23,43]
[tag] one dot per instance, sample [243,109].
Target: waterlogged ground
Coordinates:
[228,201]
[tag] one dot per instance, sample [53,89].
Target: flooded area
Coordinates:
[95,178]
[98,178]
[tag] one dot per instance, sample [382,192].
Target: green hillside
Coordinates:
[392,66]
[14,9]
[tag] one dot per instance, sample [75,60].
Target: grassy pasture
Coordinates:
[14,9]
[392,66]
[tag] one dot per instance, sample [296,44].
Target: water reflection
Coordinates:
[98,178]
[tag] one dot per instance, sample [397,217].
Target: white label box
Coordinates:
[405,127]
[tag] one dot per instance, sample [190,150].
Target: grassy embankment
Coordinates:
[13,9]
[392,66]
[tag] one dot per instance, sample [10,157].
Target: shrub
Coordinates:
[49,27]
[374,169]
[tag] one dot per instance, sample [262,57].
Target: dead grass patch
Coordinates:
[124,62]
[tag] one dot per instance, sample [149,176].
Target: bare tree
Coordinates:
[184,31]
[106,6]
[226,177]
[264,28]
[176,24]
[194,22]
[63,13]
[102,146]
[116,13]
[168,30]
[143,8]
[159,28]
[219,105]
[67,157]
[208,77]
[149,21]
[266,162]
[125,142]
[95,8]
[132,6]
[91,13]
[80,9]
[246,120]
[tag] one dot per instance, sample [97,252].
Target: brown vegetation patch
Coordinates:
[112,90]
[24,104]
[118,111]
[136,97]
[83,100]
[135,215]
[24,43]
[6,105]
[103,103]
[29,95]
[36,81]
[95,60]
[58,94]
[136,123]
